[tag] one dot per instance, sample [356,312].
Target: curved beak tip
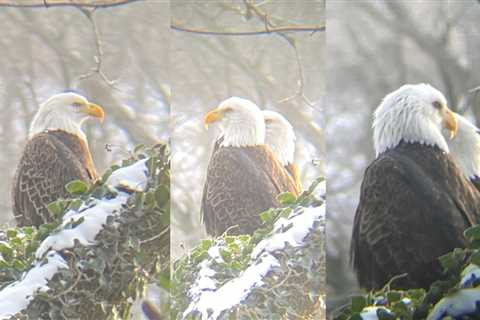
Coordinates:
[451,124]
[96,111]
[211,117]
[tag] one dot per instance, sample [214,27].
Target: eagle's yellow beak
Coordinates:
[95,110]
[450,123]
[212,116]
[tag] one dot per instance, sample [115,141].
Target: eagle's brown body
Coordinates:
[241,183]
[50,160]
[414,207]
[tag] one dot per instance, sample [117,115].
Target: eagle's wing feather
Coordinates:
[292,169]
[45,167]
[408,217]
[238,187]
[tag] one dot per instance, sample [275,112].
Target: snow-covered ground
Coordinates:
[211,301]
[16,297]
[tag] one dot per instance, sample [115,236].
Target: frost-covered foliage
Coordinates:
[108,243]
[277,273]
[456,297]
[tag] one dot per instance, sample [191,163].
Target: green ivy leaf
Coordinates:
[139,148]
[6,251]
[393,296]
[162,196]
[56,208]
[28,231]
[150,200]
[475,257]
[268,216]
[286,198]
[11,233]
[358,303]
[472,233]
[76,187]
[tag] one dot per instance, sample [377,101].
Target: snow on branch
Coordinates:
[17,295]
[99,257]
[89,220]
[236,270]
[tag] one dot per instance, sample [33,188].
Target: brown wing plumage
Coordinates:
[293,171]
[50,160]
[414,206]
[240,184]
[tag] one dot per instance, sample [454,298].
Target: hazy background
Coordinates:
[47,51]
[206,69]
[373,48]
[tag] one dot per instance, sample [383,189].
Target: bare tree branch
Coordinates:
[99,57]
[269,25]
[64,3]
[270,30]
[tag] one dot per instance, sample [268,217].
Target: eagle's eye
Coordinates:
[437,105]
[77,104]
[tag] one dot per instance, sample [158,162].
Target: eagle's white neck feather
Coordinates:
[50,121]
[280,137]
[465,147]
[243,125]
[407,115]
[54,114]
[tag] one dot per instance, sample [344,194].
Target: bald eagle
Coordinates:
[243,176]
[465,149]
[280,137]
[56,153]
[415,202]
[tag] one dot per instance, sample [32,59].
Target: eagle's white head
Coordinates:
[465,148]
[279,136]
[64,111]
[240,121]
[413,113]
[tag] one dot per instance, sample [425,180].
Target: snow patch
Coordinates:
[210,302]
[462,303]
[133,176]
[290,231]
[16,296]
[370,313]
[94,219]
[321,190]
[470,276]
[95,216]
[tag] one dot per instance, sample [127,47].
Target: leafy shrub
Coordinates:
[102,280]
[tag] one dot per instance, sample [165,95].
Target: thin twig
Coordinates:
[64,3]
[270,30]
[99,57]
[269,26]
[167,229]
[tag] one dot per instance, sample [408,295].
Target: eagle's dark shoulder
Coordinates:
[47,164]
[414,206]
